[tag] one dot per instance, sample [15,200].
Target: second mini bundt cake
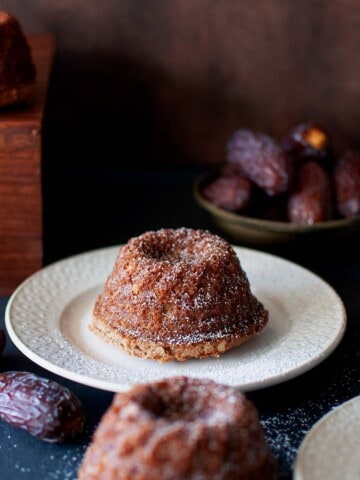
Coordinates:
[179,429]
[177,294]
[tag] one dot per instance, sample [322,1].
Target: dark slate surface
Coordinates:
[136,202]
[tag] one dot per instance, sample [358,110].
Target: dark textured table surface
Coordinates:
[108,209]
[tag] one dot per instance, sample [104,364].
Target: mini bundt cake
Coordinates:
[17,71]
[177,294]
[179,429]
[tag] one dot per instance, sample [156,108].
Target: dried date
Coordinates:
[230,191]
[2,340]
[307,141]
[40,406]
[310,201]
[261,159]
[347,184]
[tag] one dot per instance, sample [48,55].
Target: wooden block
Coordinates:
[19,215]
[21,239]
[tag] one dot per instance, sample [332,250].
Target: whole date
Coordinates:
[259,158]
[40,406]
[347,184]
[310,201]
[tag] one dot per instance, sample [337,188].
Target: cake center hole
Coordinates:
[170,410]
[168,254]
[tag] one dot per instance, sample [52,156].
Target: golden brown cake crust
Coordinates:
[179,429]
[177,293]
[17,71]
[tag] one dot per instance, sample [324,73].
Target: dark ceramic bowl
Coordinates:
[259,232]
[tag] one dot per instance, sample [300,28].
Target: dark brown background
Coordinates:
[140,87]
[158,81]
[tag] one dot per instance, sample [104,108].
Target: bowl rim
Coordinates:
[261,224]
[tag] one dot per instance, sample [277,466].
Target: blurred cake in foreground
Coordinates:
[179,429]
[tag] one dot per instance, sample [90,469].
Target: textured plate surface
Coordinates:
[331,448]
[48,315]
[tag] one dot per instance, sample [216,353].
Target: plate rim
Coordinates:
[332,413]
[111,386]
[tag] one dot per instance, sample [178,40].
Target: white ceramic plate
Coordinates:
[331,449]
[47,318]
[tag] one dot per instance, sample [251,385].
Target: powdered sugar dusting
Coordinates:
[178,287]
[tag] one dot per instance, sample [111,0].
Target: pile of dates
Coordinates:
[297,180]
